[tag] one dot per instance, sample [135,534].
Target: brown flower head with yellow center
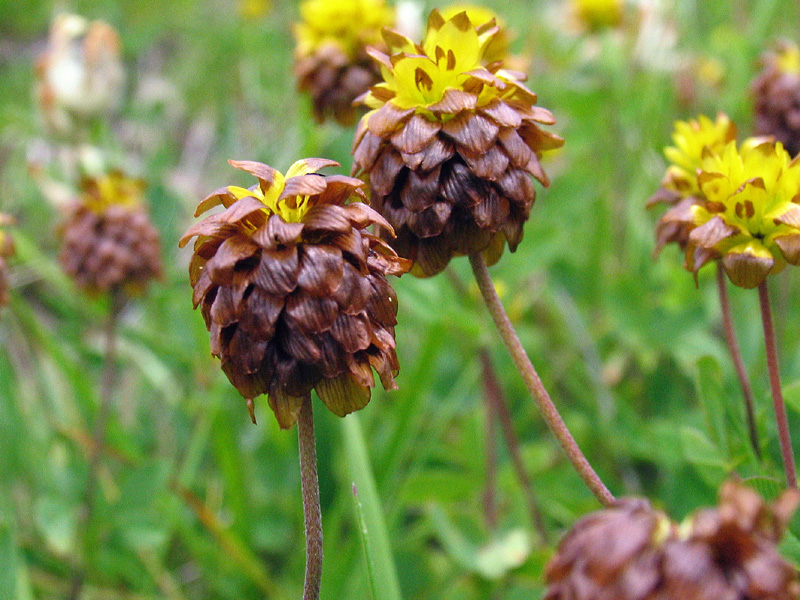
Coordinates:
[331,60]
[6,251]
[750,218]
[108,240]
[450,145]
[679,188]
[293,288]
[633,552]
[776,93]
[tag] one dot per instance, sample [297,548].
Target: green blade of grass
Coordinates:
[381,568]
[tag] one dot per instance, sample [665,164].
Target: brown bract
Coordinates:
[296,306]
[115,248]
[631,552]
[334,81]
[776,103]
[676,224]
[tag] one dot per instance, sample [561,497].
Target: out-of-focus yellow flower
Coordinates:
[348,24]
[112,189]
[80,75]
[254,9]
[598,14]
[750,218]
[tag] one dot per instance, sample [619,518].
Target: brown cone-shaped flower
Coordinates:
[6,251]
[331,61]
[293,288]
[108,240]
[631,552]
[776,94]
[612,554]
[450,145]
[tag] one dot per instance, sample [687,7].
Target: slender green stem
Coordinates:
[775,385]
[107,388]
[311,510]
[534,383]
[736,357]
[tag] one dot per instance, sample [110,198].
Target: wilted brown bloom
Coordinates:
[80,75]
[331,60]
[450,145]
[6,251]
[776,93]
[293,288]
[108,240]
[631,552]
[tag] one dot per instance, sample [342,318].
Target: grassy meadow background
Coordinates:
[195,502]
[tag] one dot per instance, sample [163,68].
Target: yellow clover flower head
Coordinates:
[289,196]
[595,15]
[348,24]
[111,189]
[750,218]
[693,138]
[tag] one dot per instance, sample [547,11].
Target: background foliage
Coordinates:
[195,502]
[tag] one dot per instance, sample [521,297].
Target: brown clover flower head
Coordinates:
[6,251]
[331,61]
[450,145]
[632,552]
[108,240]
[80,74]
[293,288]
[679,188]
[776,94]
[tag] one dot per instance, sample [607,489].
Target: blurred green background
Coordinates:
[195,502]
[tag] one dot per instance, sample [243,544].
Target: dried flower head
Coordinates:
[331,61]
[750,218]
[108,240]
[80,75]
[632,552]
[6,251]
[594,15]
[679,188]
[293,288]
[450,145]
[776,92]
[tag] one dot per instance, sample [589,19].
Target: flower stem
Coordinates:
[775,385]
[98,440]
[534,383]
[736,357]
[500,407]
[310,490]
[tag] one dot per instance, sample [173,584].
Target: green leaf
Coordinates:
[712,399]
[381,567]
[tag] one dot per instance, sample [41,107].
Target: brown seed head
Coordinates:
[107,239]
[293,288]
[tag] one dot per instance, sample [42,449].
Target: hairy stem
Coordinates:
[98,442]
[500,406]
[311,509]
[736,356]
[775,386]
[534,383]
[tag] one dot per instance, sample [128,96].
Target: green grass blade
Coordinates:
[381,568]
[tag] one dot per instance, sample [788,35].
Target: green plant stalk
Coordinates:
[107,387]
[312,514]
[534,383]
[736,357]
[380,562]
[775,385]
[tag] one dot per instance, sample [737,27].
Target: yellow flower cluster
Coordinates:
[111,189]
[348,24]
